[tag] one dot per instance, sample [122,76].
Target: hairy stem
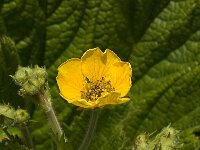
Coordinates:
[54,122]
[27,136]
[91,130]
[45,100]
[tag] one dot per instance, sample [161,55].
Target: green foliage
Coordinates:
[11,142]
[8,64]
[160,38]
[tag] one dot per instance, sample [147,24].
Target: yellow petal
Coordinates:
[95,63]
[83,103]
[70,79]
[111,98]
[120,76]
[123,100]
[110,58]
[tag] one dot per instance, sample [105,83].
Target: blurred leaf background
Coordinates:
[160,38]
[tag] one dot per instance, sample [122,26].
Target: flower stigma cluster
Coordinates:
[94,90]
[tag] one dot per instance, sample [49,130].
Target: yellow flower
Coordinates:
[95,80]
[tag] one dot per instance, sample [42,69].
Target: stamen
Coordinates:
[94,90]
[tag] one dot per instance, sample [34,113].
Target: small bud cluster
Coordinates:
[30,79]
[10,116]
[167,139]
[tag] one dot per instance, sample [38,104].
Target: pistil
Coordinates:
[96,89]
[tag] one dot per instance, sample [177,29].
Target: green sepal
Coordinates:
[7,111]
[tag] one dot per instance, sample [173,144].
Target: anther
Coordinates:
[94,90]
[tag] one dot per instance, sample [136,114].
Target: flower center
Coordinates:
[94,90]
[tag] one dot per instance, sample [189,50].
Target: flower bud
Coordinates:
[167,139]
[21,116]
[30,79]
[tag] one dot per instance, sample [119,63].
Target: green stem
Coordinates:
[54,122]
[27,136]
[58,134]
[45,100]
[91,130]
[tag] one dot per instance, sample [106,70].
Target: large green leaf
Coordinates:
[160,38]
[8,64]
